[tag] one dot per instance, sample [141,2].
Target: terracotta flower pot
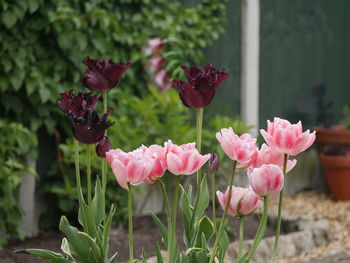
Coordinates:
[337,172]
[335,135]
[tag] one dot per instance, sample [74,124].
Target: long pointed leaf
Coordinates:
[98,203]
[162,229]
[46,254]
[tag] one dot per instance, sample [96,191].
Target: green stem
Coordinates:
[241,237]
[279,215]
[173,217]
[77,169]
[261,231]
[199,127]
[104,160]
[213,201]
[88,172]
[221,226]
[131,241]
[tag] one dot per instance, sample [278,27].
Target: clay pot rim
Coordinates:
[335,160]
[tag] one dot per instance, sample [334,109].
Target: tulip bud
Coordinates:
[103,146]
[213,163]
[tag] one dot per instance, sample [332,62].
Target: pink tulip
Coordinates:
[266,180]
[266,155]
[287,138]
[154,63]
[131,167]
[152,46]
[161,80]
[158,154]
[184,159]
[243,201]
[238,148]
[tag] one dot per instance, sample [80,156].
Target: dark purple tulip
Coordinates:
[103,146]
[202,82]
[86,125]
[103,74]
[213,163]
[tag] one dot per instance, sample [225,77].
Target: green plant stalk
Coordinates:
[88,172]
[215,247]
[199,128]
[131,240]
[241,237]
[104,160]
[261,231]
[77,169]
[279,215]
[167,207]
[213,199]
[173,217]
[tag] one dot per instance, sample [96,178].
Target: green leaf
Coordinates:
[44,93]
[186,213]
[33,5]
[162,229]
[144,256]
[65,249]
[106,230]
[159,254]
[9,18]
[98,203]
[46,254]
[113,258]
[85,247]
[204,198]
[206,228]
[223,245]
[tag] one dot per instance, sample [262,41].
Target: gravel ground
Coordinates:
[318,205]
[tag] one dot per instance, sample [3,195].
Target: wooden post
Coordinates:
[250,45]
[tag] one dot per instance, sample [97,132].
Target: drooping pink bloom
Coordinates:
[103,74]
[154,63]
[161,80]
[152,46]
[266,180]
[266,155]
[130,167]
[243,201]
[287,138]
[184,159]
[201,85]
[238,148]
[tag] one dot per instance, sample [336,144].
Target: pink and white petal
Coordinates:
[174,163]
[291,164]
[119,171]
[268,139]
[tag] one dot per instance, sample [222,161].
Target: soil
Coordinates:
[146,235]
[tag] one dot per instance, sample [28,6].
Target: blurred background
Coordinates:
[285,58]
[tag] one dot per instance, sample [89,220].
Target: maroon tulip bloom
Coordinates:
[103,146]
[202,82]
[103,74]
[86,125]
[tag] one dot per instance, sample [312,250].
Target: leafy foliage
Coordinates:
[42,44]
[16,142]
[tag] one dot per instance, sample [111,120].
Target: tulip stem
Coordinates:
[215,248]
[88,172]
[213,201]
[241,237]
[279,215]
[261,231]
[77,169]
[199,126]
[173,219]
[104,160]
[131,241]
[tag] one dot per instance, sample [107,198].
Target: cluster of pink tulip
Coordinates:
[266,167]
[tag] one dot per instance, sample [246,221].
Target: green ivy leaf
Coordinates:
[9,19]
